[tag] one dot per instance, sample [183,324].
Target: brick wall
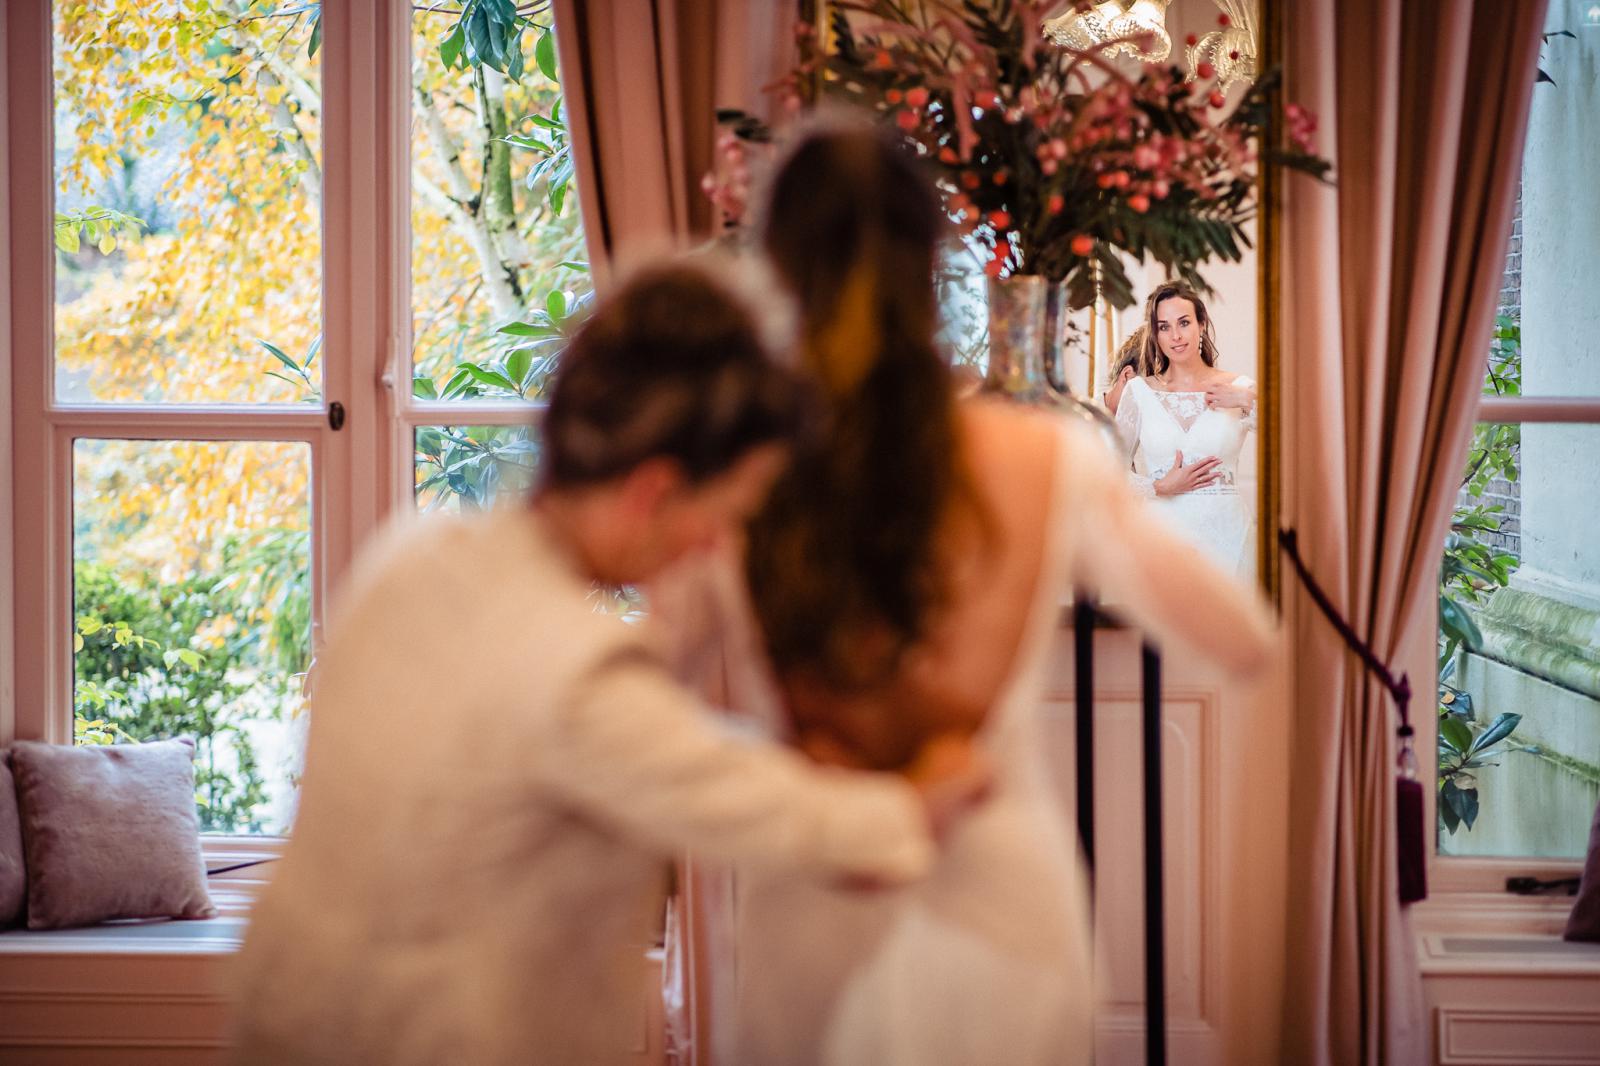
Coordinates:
[1507,493]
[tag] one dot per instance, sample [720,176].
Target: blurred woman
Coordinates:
[905,580]
[497,777]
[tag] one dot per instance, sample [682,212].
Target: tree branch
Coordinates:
[498,277]
[305,93]
[311,177]
[444,147]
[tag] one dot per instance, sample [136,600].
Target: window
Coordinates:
[498,264]
[1519,710]
[257,220]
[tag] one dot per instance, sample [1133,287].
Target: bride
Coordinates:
[1184,424]
[906,578]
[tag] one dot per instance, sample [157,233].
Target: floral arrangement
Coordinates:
[1051,158]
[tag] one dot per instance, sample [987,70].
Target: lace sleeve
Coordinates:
[1129,424]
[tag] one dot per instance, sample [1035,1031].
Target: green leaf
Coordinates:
[459,383]
[1456,622]
[1454,732]
[556,304]
[544,54]
[278,352]
[480,49]
[485,376]
[517,362]
[528,329]
[1468,806]
[1502,727]
[450,48]
[67,239]
[316,38]
[423,387]
[1449,813]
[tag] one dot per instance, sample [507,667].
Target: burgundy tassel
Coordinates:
[1411,825]
[1410,803]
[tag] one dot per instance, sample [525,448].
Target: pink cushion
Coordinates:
[13,879]
[110,832]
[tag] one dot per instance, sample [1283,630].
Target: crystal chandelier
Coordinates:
[1230,50]
[1141,22]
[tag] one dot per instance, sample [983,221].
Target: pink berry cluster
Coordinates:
[1048,155]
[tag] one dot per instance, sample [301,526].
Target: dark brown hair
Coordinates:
[1156,361]
[842,560]
[670,365]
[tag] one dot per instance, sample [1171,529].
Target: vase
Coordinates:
[1027,349]
[1017,339]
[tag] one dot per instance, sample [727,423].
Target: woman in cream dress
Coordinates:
[1183,425]
[906,578]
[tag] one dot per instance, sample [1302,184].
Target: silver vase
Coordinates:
[1027,349]
[1017,341]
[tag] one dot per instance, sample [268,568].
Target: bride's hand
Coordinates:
[1196,475]
[1218,396]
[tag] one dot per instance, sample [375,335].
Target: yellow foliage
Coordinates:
[234,256]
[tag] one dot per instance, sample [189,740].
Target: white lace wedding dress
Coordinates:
[987,961]
[1155,425]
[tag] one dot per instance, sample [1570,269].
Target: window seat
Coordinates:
[129,993]
[155,993]
[1511,998]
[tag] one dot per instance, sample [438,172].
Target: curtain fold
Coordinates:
[643,80]
[1389,282]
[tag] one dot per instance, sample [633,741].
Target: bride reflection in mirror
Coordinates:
[1183,422]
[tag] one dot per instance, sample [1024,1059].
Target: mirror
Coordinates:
[1227,437]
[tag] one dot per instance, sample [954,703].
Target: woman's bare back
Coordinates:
[994,548]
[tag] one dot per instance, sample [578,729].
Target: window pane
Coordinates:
[471,468]
[1520,596]
[1520,645]
[496,241]
[188,202]
[192,611]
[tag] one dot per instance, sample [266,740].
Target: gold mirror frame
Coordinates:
[1269,319]
[1269,325]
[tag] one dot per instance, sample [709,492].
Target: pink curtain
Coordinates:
[643,80]
[1389,290]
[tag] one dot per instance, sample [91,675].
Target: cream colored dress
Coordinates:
[496,781]
[1155,425]
[987,961]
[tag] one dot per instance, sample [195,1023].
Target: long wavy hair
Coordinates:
[842,562]
[1155,360]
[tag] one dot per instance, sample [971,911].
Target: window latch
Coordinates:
[1529,886]
[336,416]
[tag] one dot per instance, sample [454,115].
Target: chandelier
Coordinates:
[1231,51]
[1139,26]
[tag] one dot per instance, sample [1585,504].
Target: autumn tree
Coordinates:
[189,188]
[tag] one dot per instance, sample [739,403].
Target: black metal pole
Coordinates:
[1155,934]
[1083,621]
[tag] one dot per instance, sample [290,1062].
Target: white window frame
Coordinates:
[1467,892]
[360,475]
